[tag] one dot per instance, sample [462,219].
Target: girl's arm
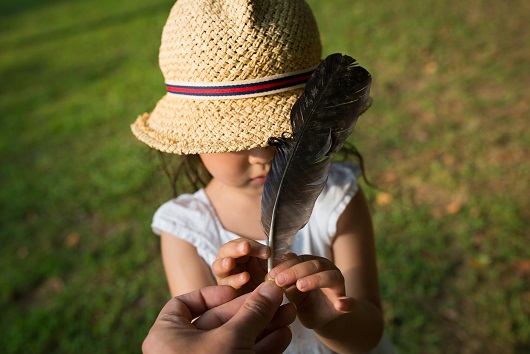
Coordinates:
[185,270]
[355,256]
[339,300]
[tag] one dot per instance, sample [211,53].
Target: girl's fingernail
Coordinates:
[345,304]
[225,263]
[302,283]
[264,252]
[281,279]
[272,274]
[242,247]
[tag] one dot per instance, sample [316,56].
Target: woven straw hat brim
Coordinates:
[184,126]
[260,46]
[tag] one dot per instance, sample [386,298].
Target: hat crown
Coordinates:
[230,40]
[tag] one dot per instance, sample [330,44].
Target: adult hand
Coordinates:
[251,323]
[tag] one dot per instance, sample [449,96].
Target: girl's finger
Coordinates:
[243,247]
[332,279]
[289,260]
[236,281]
[344,304]
[297,271]
[234,249]
[222,267]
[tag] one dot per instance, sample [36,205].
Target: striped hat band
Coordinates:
[240,89]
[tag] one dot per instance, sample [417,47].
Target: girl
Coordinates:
[233,69]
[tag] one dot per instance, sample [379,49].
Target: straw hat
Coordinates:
[233,70]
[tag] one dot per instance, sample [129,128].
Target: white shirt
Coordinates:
[192,218]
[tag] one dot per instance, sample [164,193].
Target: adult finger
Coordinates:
[219,315]
[178,313]
[256,312]
[199,301]
[275,342]
[283,317]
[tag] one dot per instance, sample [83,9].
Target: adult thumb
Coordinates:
[257,311]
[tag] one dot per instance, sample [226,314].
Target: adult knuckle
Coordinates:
[259,306]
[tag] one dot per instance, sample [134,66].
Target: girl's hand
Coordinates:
[316,286]
[239,264]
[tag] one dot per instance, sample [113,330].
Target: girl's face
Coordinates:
[243,169]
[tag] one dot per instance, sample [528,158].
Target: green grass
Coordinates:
[447,141]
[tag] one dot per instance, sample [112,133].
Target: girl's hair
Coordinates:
[349,152]
[187,173]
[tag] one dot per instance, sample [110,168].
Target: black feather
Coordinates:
[322,119]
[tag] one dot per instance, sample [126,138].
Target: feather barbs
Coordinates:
[321,119]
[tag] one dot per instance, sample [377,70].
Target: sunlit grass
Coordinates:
[446,142]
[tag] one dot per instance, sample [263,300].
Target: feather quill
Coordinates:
[322,119]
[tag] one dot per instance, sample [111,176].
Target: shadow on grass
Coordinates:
[87,27]
[39,78]
[16,7]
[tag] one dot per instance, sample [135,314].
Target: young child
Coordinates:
[233,69]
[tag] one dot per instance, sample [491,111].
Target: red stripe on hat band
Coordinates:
[241,89]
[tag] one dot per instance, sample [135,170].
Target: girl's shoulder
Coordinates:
[187,211]
[191,218]
[196,202]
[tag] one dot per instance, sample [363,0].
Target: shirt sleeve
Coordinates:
[190,220]
[340,189]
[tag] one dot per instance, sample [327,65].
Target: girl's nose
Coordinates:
[261,155]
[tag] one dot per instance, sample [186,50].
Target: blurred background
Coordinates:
[447,142]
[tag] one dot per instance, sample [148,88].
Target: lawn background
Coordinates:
[447,142]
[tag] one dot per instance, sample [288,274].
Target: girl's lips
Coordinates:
[259,179]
